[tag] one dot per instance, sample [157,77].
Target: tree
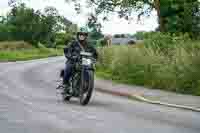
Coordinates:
[2,19]
[24,23]
[95,27]
[171,13]
[125,8]
[139,35]
[73,28]
[182,16]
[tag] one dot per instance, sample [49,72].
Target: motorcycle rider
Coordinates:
[72,53]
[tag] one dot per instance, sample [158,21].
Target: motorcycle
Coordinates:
[81,81]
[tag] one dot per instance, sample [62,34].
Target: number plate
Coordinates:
[86,62]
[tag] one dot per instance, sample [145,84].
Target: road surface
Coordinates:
[29,104]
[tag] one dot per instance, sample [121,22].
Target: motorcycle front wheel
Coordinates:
[87,86]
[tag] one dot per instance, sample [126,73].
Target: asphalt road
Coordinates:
[29,104]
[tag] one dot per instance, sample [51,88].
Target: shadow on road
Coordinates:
[93,103]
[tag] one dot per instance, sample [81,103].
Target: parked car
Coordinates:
[123,41]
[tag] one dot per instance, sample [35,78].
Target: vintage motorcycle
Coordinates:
[81,81]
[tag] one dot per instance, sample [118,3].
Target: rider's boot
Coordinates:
[66,88]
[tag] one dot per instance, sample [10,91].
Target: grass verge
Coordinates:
[28,54]
[21,50]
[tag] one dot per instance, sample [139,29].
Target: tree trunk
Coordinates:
[161,19]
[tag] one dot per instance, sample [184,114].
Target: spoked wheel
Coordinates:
[86,88]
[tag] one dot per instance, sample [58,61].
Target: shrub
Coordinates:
[15,45]
[64,38]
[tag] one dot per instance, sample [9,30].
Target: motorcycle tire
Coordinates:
[84,100]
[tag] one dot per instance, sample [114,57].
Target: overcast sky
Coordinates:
[115,25]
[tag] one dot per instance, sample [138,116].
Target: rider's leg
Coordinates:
[67,73]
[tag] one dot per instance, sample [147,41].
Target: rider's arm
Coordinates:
[68,50]
[95,53]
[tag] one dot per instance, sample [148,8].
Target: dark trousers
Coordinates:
[67,72]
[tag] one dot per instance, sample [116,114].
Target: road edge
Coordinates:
[138,97]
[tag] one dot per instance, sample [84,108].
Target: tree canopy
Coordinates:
[173,15]
[24,23]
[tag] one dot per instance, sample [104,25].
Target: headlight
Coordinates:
[86,54]
[86,62]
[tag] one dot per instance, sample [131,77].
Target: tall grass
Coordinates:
[175,69]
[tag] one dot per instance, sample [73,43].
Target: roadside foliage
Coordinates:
[163,61]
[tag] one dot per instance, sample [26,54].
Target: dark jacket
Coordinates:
[74,49]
